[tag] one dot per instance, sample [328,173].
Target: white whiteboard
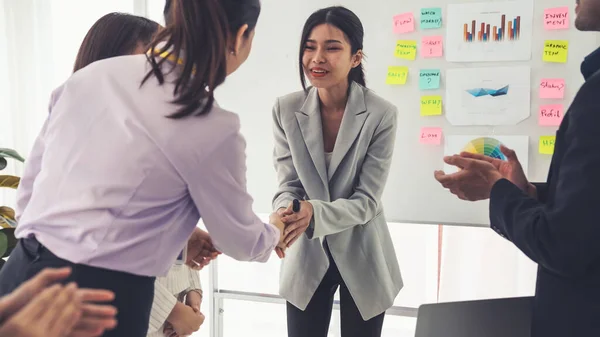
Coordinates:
[412,195]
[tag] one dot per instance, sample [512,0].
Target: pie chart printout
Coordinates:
[487,146]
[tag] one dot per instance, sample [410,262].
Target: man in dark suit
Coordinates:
[556,223]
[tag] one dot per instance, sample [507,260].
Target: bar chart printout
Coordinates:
[489,31]
[502,30]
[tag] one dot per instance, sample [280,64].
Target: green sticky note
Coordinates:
[431,18]
[406,49]
[429,79]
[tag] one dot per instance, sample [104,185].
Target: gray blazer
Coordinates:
[346,197]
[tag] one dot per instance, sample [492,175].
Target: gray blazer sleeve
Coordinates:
[290,186]
[363,205]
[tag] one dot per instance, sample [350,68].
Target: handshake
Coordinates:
[291,222]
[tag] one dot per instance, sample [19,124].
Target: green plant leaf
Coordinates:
[3,163]
[3,243]
[10,153]
[9,181]
[11,240]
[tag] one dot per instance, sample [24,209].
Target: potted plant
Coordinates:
[7,214]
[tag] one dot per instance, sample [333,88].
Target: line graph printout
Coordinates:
[488,96]
[491,31]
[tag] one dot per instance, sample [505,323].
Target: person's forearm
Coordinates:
[175,312]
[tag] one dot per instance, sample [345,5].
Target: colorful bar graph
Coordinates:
[507,30]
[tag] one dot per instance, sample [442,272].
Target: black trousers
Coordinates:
[133,294]
[314,321]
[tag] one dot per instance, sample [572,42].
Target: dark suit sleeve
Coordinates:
[562,237]
[542,192]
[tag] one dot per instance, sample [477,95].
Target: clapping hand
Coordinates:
[473,182]
[38,308]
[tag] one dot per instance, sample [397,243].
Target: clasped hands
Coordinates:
[291,224]
[479,173]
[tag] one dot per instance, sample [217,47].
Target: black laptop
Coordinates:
[507,317]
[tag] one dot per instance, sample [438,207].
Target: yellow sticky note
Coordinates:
[406,49]
[431,105]
[396,75]
[556,51]
[547,144]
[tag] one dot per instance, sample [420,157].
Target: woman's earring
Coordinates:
[232,53]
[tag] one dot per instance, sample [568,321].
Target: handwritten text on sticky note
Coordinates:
[552,88]
[556,51]
[551,115]
[547,144]
[431,46]
[429,79]
[406,49]
[404,23]
[396,75]
[431,136]
[431,18]
[431,105]
[556,18]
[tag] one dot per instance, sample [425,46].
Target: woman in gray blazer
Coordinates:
[333,148]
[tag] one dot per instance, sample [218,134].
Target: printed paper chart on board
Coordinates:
[488,96]
[489,31]
[487,145]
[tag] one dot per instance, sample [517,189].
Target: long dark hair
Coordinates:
[114,34]
[346,21]
[198,35]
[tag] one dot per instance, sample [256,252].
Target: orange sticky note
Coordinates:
[552,88]
[404,23]
[432,136]
[551,115]
[431,46]
[556,18]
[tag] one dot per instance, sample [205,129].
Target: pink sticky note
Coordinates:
[432,46]
[404,23]
[552,88]
[551,115]
[556,18]
[431,136]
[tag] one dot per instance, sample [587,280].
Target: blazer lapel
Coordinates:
[352,122]
[309,119]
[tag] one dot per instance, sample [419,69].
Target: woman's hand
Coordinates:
[185,320]
[93,319]
[193,299]
[53,312]
[296,222]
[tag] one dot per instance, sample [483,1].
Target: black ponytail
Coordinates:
[357,75]
[198,33]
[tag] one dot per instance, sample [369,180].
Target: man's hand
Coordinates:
[275,220]
[475,180]
[296,223]
[510,169]
[200,250]
[185,320]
